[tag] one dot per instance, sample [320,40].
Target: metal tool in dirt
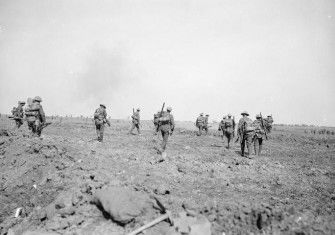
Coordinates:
[167,216]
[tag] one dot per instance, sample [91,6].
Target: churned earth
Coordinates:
[290,189]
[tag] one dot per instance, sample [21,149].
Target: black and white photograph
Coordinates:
[167,117]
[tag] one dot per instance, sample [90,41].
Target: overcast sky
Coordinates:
[271,56]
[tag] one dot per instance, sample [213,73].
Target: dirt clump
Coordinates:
[124,205]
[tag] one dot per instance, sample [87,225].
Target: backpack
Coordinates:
[165,119]
[248,125]
[228,123]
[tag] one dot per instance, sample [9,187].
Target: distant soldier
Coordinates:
[35,116]
[18,114]
[156,117]
[245,132]
[205,127]
[259,134]
[199,123]
[100,119]
[166,126]
[221,125]
[229,129]
[268,123]
[135,122]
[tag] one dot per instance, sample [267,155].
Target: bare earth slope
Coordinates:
[289,189]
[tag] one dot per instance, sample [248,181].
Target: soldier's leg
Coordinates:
[165,135]
[132,128]
[138,128]
[242,145]
[102,132]
[248,143]
[228,135]
[97,130]
[256,145]
[260,145]
[17,123]
[200,130]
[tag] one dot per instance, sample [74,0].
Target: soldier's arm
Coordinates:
[41,111]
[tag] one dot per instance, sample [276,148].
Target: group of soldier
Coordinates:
[33,113]
[163,121]
[248,131]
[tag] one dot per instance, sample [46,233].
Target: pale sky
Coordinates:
[217,57]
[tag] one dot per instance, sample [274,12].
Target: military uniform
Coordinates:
[100,118]
[205,127]
[268,123]
[19,114]
[228,128]
[35,116]
[200,122]
[166,126]
[246,133]
[156,117]
[135,122]
[259,134]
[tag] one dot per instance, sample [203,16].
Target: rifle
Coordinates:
[262,122]
[44,125]
[133,111]
[107,121]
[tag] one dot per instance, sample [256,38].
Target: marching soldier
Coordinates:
[246,132]
[100,119]
[18,114]
[259,133]
[156,117]
[135,122]
[166,126]
[35,116]
[221,125]
[199,123]
[205,127]
[268,123]
[229,128]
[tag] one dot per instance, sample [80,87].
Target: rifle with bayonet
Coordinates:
[263,126]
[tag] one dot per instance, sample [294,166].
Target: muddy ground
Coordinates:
[290,189]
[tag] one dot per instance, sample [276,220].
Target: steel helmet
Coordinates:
[169,109]
[245,112]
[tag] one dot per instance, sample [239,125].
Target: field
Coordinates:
[289,189]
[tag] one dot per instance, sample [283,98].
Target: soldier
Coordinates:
[229,129]
[199,123]
[205,127]
[246,132]
[259,133]
[156,117]
[35,116]
[268,123]
[100,118]
[166,126]
[18,114]
[135,122]
[221,125]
